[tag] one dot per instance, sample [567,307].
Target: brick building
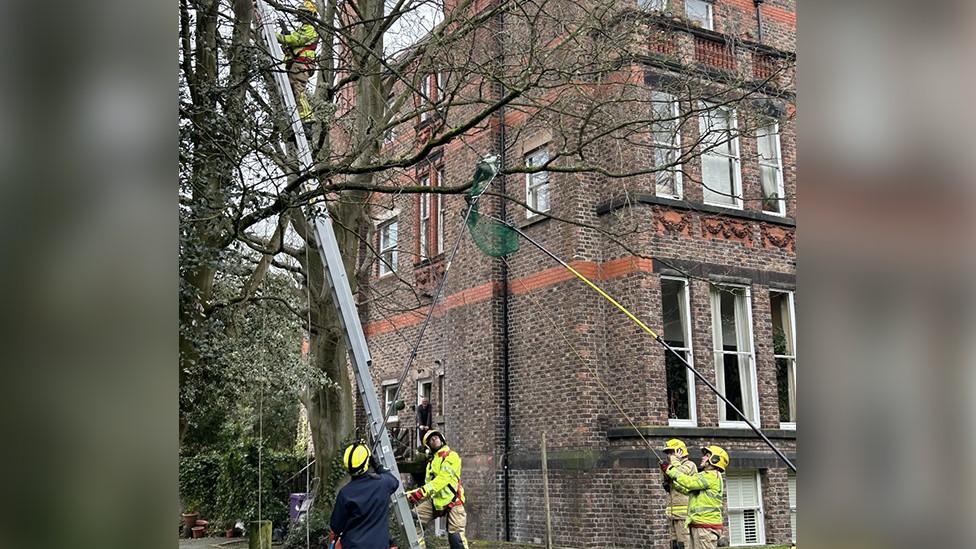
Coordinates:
[702,250]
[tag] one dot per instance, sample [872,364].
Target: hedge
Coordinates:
[223,487]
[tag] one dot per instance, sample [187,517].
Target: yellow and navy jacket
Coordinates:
[442,482]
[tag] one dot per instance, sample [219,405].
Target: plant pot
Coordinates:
[229,533]
[198,531]
[203,523]
[190,519]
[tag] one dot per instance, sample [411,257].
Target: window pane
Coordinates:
[770,189]
[733,386]
[766,138]
[699,12]
[717,180]
[679,401]
[715,130]
[673,313]
[665,180]
[786,389]
[782,323]
[729,335]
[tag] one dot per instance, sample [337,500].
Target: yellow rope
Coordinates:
[611,300]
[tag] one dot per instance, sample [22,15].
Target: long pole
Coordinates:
[545,492]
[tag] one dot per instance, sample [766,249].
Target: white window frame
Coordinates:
[709,22]
[718,355]
[394,418]
[442,394]
[420,396]
[439,226]
[776,164]
[420,390]
[791,492]
[388,267]
[760,513]
[673,146]
[689,353]
[708,143]
[536,181]
[791,309]
[424,215]
[425,100]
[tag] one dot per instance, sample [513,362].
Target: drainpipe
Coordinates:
[759,18]
[506,408]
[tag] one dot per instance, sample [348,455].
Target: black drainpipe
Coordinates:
[759,19]
[504,289]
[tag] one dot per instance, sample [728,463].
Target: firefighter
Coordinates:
[442,494]
[677,509]
[299,46]
[704,491]
[360,518]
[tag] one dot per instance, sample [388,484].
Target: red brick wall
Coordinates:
[564,341]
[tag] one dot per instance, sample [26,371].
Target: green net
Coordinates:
[491,236]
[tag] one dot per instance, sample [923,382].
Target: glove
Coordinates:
[283,27]
[414,496]
[664,466]
[666,484]
[374,462]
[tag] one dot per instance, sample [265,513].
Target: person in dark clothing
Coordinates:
[423,419]
[361,514]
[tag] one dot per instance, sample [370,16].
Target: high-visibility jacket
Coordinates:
[301,43]
[678,508]
[442,482]
[704,496]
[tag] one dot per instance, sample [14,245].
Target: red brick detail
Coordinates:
[778,237]
[714,53]
[663,42]
[542,279]
[625,266]
[763,66]
[716,228]
[672,222]
[428,277]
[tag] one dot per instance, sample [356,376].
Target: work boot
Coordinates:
[456,541]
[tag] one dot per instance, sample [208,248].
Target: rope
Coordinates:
[308,398]
[260,447]
[657,338]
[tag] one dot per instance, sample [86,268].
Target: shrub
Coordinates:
[223,487]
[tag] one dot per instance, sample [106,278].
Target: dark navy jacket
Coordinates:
[361,513]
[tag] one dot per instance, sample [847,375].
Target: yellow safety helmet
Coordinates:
[356,459]
[431,433]
[718,457]
[309,5]
[677,446]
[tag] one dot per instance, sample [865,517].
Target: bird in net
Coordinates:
[492,237]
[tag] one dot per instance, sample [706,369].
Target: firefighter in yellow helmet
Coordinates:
[360,518]
[677,509]
[299,47]
[704,491]
[442,494]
